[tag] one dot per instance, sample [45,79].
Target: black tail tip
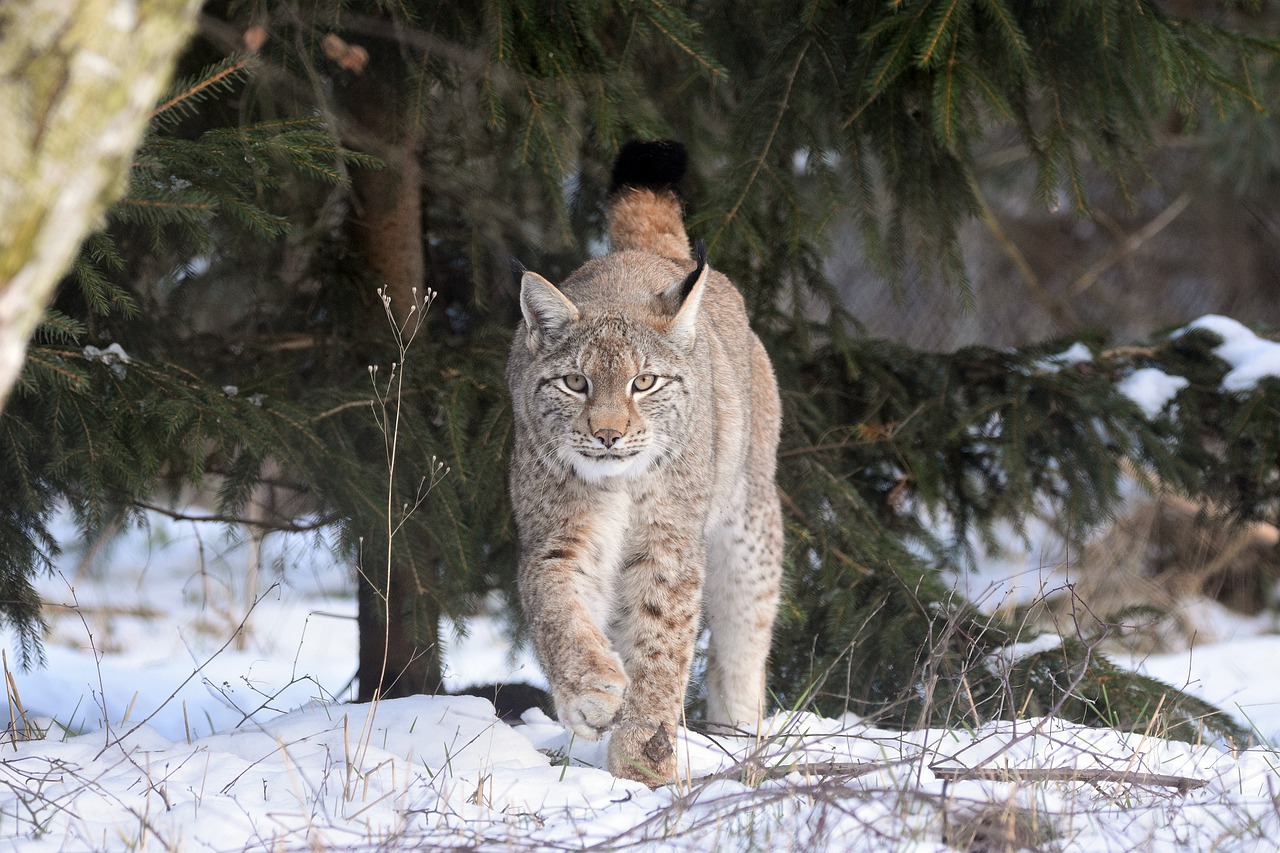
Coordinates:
[652,164]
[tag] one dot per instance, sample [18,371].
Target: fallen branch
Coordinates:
[756,773]
[1067,774]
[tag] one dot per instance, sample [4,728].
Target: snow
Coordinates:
[1151,389]
[1077,353]
[1251,357]
[1227,673]
[1222,667]
[113,356]
[1003,660]
[194,713]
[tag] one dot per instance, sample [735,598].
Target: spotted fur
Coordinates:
[647,421]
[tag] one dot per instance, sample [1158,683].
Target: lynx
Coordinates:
[646,434]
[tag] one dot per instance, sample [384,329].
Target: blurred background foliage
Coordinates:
[921,201]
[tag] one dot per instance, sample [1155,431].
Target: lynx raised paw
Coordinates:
[591,704]
[643,753]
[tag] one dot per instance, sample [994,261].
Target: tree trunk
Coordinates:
[389,224]
[399,635]
[78,82]
[398,622]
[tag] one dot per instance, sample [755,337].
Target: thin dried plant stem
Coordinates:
[403,332]
[16,709]
[231,639]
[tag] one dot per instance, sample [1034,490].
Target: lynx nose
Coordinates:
[607,437]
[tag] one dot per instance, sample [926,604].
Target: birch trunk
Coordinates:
[78,81]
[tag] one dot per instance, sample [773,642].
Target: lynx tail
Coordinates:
[645,211]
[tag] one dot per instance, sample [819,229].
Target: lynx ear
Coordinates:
[546,310]
[688,295]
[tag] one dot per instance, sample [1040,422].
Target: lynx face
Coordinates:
[610,399]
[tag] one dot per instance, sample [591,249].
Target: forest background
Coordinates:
[885,183]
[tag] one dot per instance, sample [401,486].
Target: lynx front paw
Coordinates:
[590,703]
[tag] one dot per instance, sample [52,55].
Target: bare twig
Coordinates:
[342,407]
[187,680]
[1061,312]
[844,769]
[259,524]
[1129,245]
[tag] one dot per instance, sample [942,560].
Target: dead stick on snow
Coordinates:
[1068,774]
[814,768]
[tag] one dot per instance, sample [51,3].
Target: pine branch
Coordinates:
[185,95]
[276,525]
[765,149]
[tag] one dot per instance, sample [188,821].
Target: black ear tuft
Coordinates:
[517,271]
[700,252]
[652,164]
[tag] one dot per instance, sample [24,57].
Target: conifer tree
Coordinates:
[366,146]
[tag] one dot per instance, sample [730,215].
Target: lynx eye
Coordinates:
[575,382]
[643,382]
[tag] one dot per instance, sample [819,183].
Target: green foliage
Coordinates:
[185,96]
[180,185]
[880,436]
[101,434]
[98,257]
[881,111]
[1230,438]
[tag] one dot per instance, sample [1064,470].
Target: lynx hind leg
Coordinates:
[744,577]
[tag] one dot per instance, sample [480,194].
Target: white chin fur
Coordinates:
[597,470]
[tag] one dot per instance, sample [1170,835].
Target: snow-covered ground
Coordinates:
[1226,665]
[189,704]
[165,728]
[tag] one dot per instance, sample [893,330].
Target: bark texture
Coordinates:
[78,82]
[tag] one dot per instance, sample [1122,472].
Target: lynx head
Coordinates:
[607,383]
